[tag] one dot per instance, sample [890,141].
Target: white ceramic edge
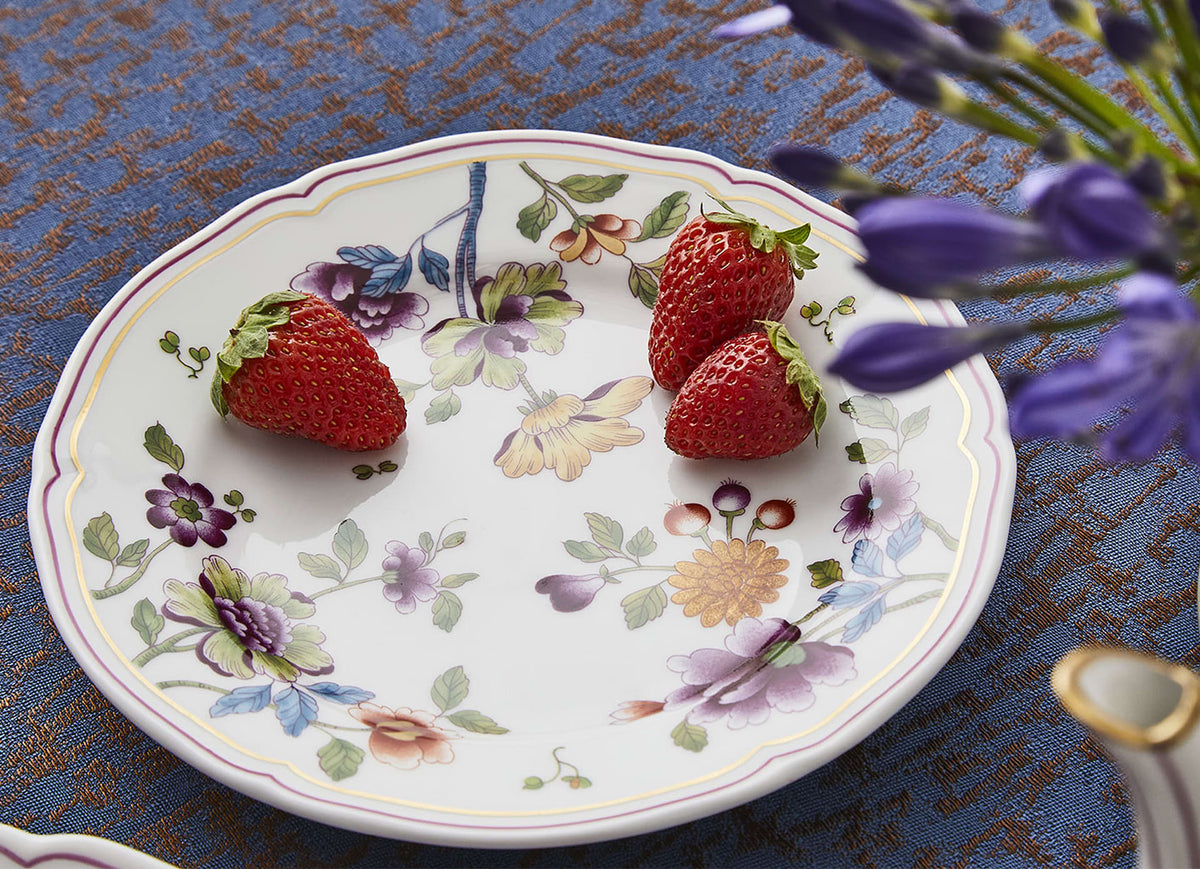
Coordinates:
[767,780]
[24,849]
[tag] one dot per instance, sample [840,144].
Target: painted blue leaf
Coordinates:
[867,558]
[864,621]
[435,268]
[905,538]
[347,694]
[368,256]
[240,700]
[849,594]
[295,710]
[388,278]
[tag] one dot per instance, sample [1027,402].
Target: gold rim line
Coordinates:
[379,798]
[1174,727]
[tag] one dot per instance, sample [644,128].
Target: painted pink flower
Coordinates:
[605,232]
[883,501]
[404,738]
[635,710]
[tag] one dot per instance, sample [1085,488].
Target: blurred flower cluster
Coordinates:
[1118,203]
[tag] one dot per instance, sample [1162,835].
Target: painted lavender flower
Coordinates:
[252,623]
[406,579]
[740,684]
[349,288]
[187,510]
[883,501]
[569,593]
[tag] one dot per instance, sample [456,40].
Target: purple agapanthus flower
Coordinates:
[377,317]
[187,510]
[1090,212]
[569,593]
[406,579]
[882,502]
[889,357]
[1149,365]
[740,682]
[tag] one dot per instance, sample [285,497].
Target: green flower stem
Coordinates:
[638,567]
[168,645]
[343,585]
[1101,105]
[188,683]
[127,582]
[1170,111]
[1179,20]
[1050,327]
[1084,118]
[533,396]
[926,577]
[1009,291]
[979,115]
[546,186]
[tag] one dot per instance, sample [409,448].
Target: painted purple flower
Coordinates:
[251,623]
[187,510]
[926,246]
[1150,365]
[889,357]
[406,579]
[743,684]
[568,593]
[883,501]
[1090,212]
[375,316]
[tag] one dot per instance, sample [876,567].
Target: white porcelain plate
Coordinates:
[528,623]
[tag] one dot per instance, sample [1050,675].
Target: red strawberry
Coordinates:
[754,397]
[723,272]
[295,365]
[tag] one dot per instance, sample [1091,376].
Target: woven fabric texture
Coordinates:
[127,125]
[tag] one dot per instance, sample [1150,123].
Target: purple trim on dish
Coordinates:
[307,797]
[57,855]
[1183,807]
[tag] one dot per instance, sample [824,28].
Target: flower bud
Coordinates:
[1079,14]
[814,167]
[985,32]
[922,86]
[1132,41]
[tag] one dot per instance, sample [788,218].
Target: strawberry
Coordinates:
[295,365]
[723,272]
[754,397]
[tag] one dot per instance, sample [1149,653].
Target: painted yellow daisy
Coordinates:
[563,433]
[730,581]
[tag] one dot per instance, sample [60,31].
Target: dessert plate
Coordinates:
[528,623]
[69,851]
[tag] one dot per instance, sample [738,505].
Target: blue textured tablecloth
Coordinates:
[126,125]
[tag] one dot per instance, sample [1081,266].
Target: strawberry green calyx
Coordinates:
[799,373]
[249,337]
[763,238]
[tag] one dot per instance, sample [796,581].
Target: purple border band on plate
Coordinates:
[309,797]
[18,860]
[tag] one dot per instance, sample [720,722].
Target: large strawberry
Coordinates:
[754,396]
[723,272]
[295,365]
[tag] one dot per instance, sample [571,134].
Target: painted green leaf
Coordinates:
[643,606]
[854,452]
[350,544]
[443,407]
[406,388]
[532,783]
[455,580]
[425,541]
[453,540]
[100,538]
[642,543]
[476,722]
[234,498]
[785,653]
[320,566]
[340,759]
[591,188]
[825,573]
[915,423]
[363,472]
[146,621]
[447,610]
[160,447]
[873,411]
[450,688]
[666,217]
[693,737]
[643,284]
[131,555]
[534,218]
[607,532]
[584,550]
[874,449]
